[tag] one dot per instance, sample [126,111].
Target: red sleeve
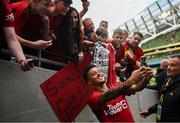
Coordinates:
[6,15]
[93,100]
[19,8]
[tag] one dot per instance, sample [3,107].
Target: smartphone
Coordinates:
[31,62]
[53,36]
[143,61]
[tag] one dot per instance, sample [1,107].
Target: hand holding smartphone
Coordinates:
[26,64]
[31,62]
[143,61]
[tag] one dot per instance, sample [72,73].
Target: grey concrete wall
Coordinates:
[141,101]
[21,98]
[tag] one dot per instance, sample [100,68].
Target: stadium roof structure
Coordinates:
[159,18]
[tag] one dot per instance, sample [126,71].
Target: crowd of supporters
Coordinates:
[60,33]
[56,31]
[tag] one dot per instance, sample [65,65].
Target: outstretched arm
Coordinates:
[39,44]
[142,83]
[13,43]
[85,5]
[16,48]
[136,76]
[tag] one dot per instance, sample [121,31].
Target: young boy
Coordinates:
[103,56]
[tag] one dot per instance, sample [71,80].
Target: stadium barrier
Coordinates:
[23,101]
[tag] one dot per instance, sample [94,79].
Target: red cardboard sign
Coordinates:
[66,91]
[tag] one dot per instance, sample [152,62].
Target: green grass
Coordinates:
[158,42]
[178,36]
[161,41]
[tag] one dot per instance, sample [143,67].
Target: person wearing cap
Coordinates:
[8,34]
[107,100]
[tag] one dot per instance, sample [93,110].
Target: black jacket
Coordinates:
[161,79]
[171,102]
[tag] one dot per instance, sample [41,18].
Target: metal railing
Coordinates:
[38,58]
